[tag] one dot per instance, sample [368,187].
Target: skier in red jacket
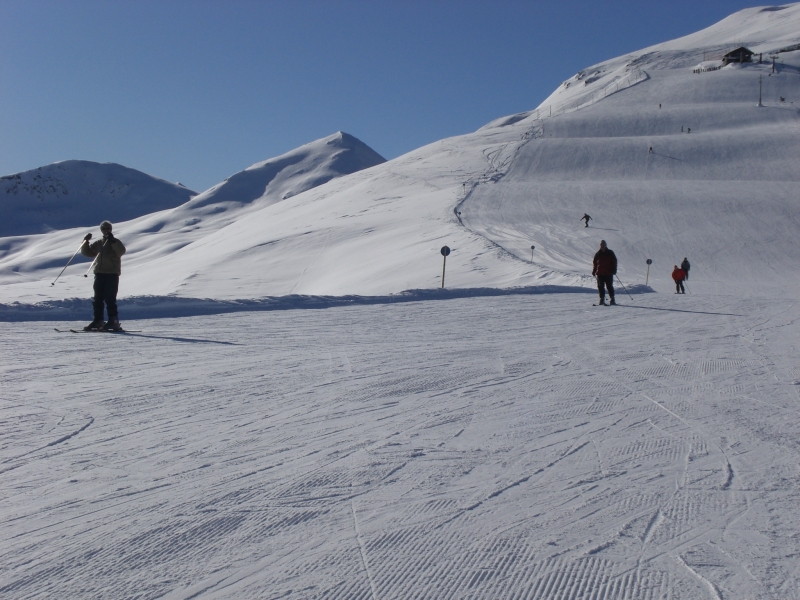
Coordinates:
[604,267]
[679,275]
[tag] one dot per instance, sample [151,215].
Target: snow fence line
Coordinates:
[159,307]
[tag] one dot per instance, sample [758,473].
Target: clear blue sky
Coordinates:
[195,90]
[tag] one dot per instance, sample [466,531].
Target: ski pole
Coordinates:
[95,258]
[623,287]
[87,238]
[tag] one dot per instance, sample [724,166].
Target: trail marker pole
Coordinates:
[445,251]
[87,238]
[759,91]
[647,277]
[532,249]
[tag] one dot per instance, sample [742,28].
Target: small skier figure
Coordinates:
[679,275]
[604,267]
[107,269]
[586,218]
[686,266]
[650,151]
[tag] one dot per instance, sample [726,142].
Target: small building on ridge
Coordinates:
[740,55]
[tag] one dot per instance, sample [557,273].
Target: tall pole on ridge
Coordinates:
[759,90]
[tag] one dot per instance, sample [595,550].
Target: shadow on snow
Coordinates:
[156,307]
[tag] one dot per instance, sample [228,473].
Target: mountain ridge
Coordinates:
[678,163]
[74,193]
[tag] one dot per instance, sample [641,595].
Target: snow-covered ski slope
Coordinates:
[514,447]
[725,195]
[720,185]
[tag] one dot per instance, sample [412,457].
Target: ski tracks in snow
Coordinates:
[475,448]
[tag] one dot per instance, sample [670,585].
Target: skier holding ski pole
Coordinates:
[107,269]
[678,275]
[604,267]
[86,238]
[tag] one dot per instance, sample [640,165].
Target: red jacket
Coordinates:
[679,274]
[604,263]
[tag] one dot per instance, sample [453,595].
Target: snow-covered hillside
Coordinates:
[153,238]
[465,443]
[719,187]
[81,193]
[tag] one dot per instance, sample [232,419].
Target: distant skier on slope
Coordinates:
[107,269]
[585,218]
[604,267]
[686,266]
[678,275]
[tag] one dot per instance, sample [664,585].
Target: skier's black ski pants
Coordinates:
[105,290]
[607,281]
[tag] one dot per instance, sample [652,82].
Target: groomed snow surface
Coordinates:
[512,447]
[305,413]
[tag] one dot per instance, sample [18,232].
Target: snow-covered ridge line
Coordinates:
[156,307]
[72,193]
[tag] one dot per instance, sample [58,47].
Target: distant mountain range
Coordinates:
[75,193]
[80,193]
[671,158]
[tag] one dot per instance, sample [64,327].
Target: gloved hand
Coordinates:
[110,239]
[87,237]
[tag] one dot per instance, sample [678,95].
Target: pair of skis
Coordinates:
[623,287]
[96,331]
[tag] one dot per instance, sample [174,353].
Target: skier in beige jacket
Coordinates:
[107,269]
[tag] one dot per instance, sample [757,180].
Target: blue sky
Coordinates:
[194,90]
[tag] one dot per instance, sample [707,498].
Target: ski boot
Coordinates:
[112,325]
[95,325]
[612,302]
[602,302]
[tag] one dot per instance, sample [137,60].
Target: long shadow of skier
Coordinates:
[183,340]
[669,157]
[695,312]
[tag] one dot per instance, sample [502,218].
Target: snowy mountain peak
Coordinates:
[765,31]
[297,171]
[74,193]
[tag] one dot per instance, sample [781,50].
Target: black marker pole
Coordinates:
[445,251]
[647,277]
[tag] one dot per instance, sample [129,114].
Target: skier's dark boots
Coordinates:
[612,300]
[96,324]
[602,302]
[112,325]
